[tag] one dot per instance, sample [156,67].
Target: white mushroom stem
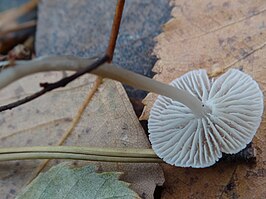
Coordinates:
[63,63]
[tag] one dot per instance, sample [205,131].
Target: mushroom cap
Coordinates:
[182,139]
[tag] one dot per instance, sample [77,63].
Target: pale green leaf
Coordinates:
[64,182]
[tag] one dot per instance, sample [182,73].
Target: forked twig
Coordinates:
[51,86]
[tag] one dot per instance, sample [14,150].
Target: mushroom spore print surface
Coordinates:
[234,104]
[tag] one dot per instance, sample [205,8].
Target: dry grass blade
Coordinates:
[79,153]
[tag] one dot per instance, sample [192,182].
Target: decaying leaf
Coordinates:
[215,35]
[62,181]
[73,115]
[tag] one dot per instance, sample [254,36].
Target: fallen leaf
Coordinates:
[214,35]
[62,181]
[85,113]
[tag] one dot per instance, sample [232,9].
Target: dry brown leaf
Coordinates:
[215,35]
[107,121]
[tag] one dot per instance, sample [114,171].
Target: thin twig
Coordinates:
[51,86]
[115,29]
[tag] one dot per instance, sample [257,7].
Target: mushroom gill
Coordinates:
[181,138]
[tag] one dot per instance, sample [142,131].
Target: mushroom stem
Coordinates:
[144,83]
[59,63]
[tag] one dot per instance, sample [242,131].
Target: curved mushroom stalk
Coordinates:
[182,139]
[57,63]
